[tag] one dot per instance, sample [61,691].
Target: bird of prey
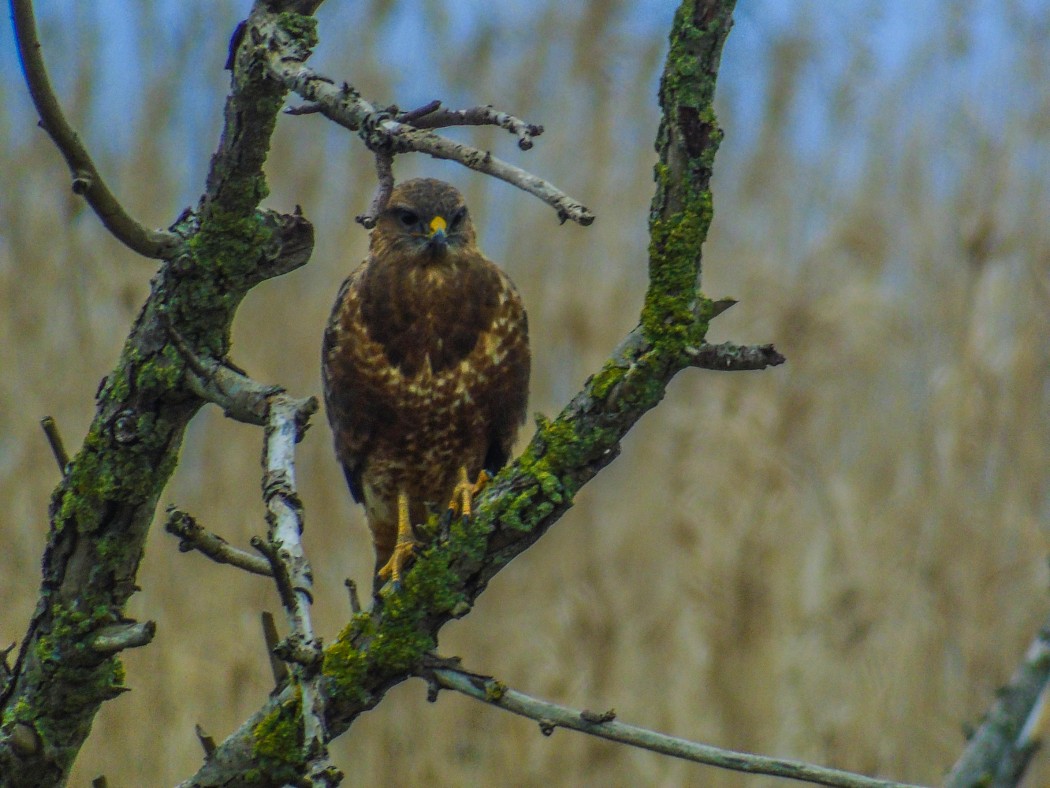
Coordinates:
[426,369]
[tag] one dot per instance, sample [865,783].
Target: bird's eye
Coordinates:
[457,219]
[408,218]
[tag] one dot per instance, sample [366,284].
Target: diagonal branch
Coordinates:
[998,751]
[86,178]
[604,725]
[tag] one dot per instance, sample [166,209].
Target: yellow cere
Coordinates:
[437,223]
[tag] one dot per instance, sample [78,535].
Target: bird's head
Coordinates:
[425,219]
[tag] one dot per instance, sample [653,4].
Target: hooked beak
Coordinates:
[437,238]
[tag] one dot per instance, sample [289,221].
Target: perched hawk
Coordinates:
[426,368]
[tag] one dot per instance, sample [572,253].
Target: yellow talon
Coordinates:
[406,544]
[462,502]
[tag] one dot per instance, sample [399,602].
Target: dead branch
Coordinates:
[728,357]
[193,536]
[87,181]
[447,675]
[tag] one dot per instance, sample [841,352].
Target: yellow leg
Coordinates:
[462,502]
[406,544]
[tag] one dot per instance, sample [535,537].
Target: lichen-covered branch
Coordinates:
[383,133]
[605,725]
[383,646]
[87,181]
[998,751]
[728,357]
[101,511]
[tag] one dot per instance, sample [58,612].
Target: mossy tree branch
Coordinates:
[999,750]
[102,509]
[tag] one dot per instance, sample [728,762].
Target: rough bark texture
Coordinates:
[102,510]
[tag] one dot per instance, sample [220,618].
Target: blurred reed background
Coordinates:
[837,560]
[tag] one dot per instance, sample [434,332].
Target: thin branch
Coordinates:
[355,600]
[477,116]
[54,440]
[728,357]
[382,132]
[86,179]
[272,640]
[996,754]
[384,188]
[286,420]
[193,536]
[552,715]
[207,742]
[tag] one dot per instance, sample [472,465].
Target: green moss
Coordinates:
[300,27]
[277,741]
[674,257]
[159,374]
[344,664]
[20,711]
[685,72]
[400,641]
[229,242]
[494,690]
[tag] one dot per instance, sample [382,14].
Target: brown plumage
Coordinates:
[425,366]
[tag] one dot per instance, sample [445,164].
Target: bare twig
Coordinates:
[476,116]
[728,357]
[552,715]
[272,639]
[193,536]
[207,742]
[86,179]
[54,440]
[384,188]
[413,115]
[383,132]
[355,600]
[996,754]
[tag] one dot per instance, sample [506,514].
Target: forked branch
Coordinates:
[384,133]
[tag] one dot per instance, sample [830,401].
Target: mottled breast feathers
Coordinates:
[425,359]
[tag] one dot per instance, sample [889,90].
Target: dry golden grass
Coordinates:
[838,560]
